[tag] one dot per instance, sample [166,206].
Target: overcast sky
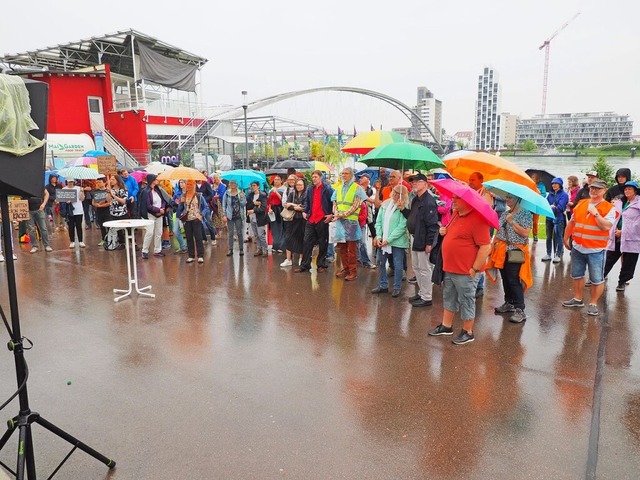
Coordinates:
[390,47]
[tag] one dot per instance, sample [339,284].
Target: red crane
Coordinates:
[546,46]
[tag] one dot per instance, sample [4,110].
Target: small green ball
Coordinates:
[68,382]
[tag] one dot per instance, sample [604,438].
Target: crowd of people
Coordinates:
[400,219]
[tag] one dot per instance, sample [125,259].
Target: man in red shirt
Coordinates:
[465,248]
[318,212]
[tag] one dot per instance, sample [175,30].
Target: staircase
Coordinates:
[193,141]
[122,155]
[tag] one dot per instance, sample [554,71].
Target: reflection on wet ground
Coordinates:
[240,369]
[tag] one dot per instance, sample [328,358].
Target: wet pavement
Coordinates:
[240,369]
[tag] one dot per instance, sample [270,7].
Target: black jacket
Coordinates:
[422,221]
[260,211]
[618,188]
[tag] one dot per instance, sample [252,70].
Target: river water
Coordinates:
[565,166]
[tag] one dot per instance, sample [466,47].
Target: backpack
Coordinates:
[111,240]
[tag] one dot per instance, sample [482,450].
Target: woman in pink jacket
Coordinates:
[624,238]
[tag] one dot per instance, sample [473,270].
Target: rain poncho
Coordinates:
[15,118]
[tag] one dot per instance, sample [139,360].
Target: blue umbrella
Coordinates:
[48,173]
[95,153]
[244,177]
[530,200]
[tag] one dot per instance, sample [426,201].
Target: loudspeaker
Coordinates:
[24,176]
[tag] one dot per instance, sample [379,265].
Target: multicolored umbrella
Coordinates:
[462,164]
[402,156]
[529,200]
[181,173]
[367,141]
[470,196]
[82,162]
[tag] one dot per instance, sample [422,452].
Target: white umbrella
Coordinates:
[157,168]
[80,173]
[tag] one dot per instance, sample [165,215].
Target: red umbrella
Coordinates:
[470,196]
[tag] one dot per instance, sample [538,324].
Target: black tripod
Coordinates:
[22,422]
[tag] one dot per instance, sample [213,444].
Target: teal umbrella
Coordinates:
[403,156]
[244,177]
[530,200]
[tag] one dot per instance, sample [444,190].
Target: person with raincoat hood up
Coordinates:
[558,200]
[623,175]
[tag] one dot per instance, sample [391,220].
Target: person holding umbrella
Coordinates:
[513,234]
[234,202]
[558,200]
[465,248]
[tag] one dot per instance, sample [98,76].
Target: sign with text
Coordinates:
[19,210]
[67,195]
[99,196]
[107,165]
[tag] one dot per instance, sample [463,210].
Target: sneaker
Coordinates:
[592,310]
[82,245]
[1,257]
[464,337]
[351,277]
[620,287]
[48,249]
[330,259]
[34,250]
[546,258]
[190,260]
[440,330]
[556,260]
[72,245]
[506,307]
[518,316]
[158,254]
[230,253]
[396,293]
[200,260]
[414,298]
[413,280]
[379,290]
[373,266]
[145,256]
[422,303]
[573,303]
[214,242]
[588,283]
[101,243]
[242,253]
[15,257]
[286,263]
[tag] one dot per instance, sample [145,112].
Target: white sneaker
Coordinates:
[214,242]
[15,257]
[1,257]
[72,245]
[82,245]
[556,260]
[48,249]
[286,263]
[200,260]
[546,258]
[34,250]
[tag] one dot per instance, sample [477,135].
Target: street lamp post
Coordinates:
[246,133]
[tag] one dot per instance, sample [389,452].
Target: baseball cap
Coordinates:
[592,173]
[419,176]
[598,184]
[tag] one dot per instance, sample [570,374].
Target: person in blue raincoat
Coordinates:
[558,200]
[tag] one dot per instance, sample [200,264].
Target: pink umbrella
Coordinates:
[139,175]
[82,162]
[470,196]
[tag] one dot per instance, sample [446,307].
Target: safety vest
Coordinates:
[586,231]
[344,204]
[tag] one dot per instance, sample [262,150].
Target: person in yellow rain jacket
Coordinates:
[515,226]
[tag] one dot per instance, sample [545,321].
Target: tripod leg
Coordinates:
[74,441]
[22,437]
[29,453]
[11,427]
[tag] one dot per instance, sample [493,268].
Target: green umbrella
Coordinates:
[403,156]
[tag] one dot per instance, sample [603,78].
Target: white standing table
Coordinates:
[129,227]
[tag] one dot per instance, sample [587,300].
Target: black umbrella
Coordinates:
[297,164]
[543,176]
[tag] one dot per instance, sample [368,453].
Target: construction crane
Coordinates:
[546,45]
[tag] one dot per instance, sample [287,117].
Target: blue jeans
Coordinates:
[236,227]
[363,255]
[555,237]
[595,262]
[177,235]
[396,256]
[331,250]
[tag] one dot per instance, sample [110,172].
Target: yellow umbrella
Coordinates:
[323,167]
[182,173]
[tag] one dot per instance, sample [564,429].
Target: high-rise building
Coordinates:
[508,129]
[429,109]
[486,133]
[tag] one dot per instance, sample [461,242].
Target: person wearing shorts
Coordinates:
[589,229]
[465,248]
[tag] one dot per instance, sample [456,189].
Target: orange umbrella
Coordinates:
[182,173]
[463,163]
